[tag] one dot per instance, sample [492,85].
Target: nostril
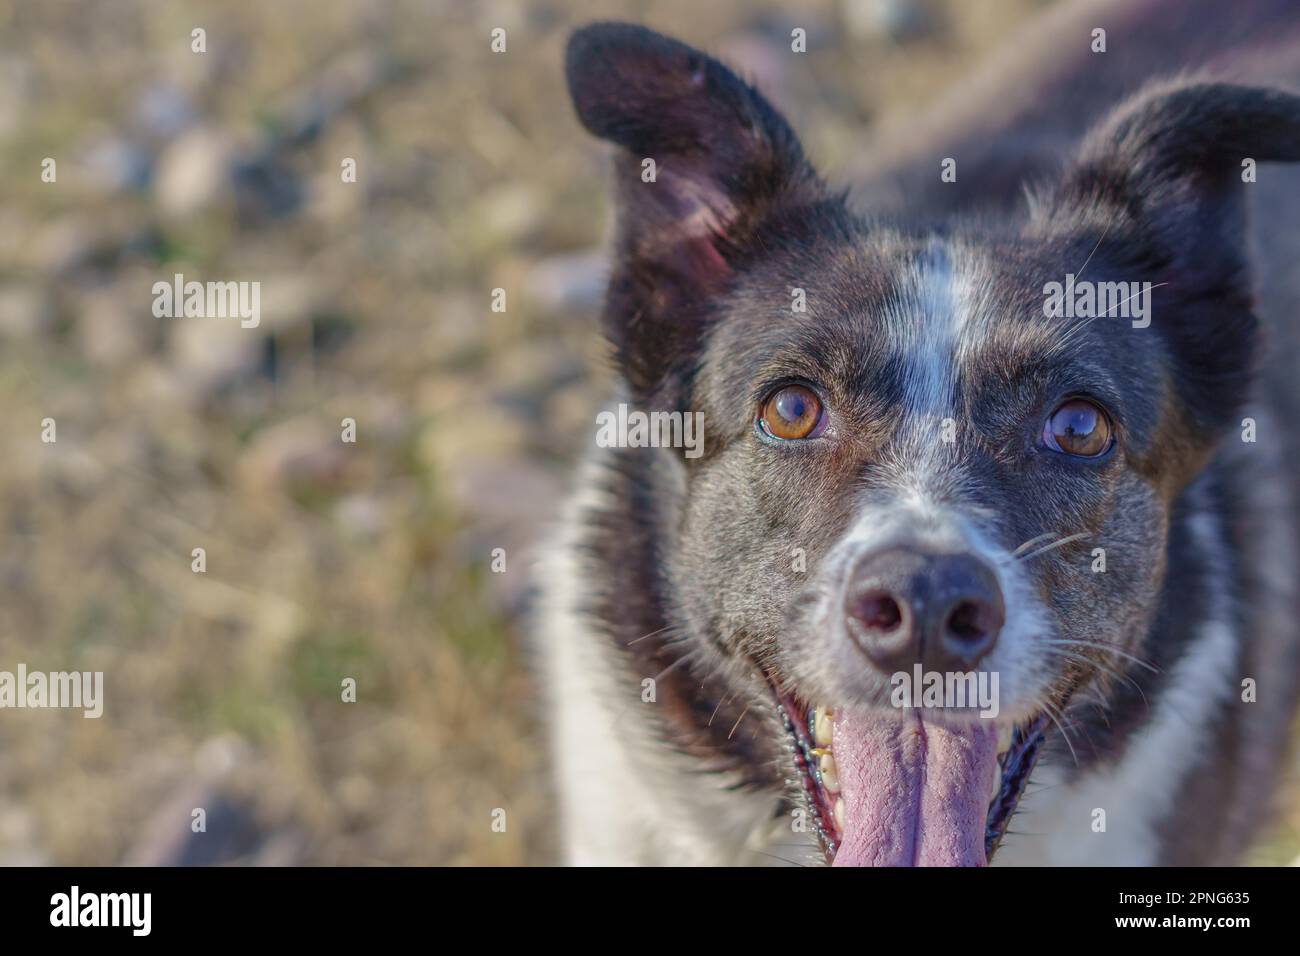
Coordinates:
[879,612]
[973,621]
[882,627]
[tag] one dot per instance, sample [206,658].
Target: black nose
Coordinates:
[904,606]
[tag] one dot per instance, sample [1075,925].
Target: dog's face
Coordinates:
[923,404]
[909,465]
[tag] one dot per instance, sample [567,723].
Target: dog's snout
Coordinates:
[904,606]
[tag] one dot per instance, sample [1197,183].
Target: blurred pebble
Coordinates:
[574,280]
[360,516]
[72,467]
[19,838]
[295,453]
[288,299]
[896,20]
[265,188]
[206,354]
[194,173]
[507,213]
[231,830]
[457,323]
[220,755]
[355,793]
[164,111]
[110,330]
[17,825]
[117,165]
[24,312]
[64,245]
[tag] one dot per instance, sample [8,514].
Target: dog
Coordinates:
[1043,452]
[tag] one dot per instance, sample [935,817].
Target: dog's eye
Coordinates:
[1079,428]
[792,412]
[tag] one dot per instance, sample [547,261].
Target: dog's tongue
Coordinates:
[915,793]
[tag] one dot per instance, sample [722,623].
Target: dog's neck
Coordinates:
[698,713]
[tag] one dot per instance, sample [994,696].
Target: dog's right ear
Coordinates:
[1160,183]
[705,163]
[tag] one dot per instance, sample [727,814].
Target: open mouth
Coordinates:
[895,789]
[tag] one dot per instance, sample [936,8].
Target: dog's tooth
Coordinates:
[822,726]
[995,783]
[830,777]
[839,814]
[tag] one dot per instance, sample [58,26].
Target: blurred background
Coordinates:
[326,559]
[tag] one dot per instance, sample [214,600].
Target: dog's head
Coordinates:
[926,453]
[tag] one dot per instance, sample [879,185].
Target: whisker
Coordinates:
[670,668]
[738,720]
[1022,548]
[1051,712]
[1104,669]
[1054,545]
[666,627]
[1099,704]
[1074,332]
[1111,648]
[1131,298]
[1095,248]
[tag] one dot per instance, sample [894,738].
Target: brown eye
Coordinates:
[792,412]
[1078,427]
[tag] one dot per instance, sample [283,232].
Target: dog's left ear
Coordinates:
[705,163]
[1160,185]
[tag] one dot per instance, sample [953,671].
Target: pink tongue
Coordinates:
[915,793]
